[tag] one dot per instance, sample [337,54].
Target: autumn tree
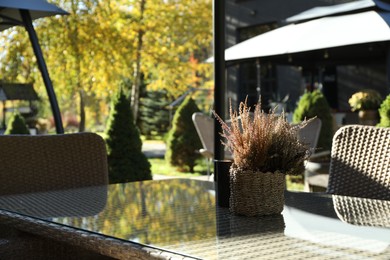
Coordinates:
[91,50]
[168,35]
[90,63]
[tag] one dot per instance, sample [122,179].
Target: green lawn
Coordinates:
[161,167]
[295,183]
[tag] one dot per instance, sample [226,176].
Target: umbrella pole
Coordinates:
[42,67]
[258,79]
[219,72]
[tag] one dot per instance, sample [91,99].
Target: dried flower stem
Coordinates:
[263,142]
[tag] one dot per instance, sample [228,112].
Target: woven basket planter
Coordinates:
[256,193]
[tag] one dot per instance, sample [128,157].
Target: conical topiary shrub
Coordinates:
[384,113]
[314,104]
[183,140]
[126,162]
[17,125]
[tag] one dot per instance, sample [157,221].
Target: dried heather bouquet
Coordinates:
[263,142]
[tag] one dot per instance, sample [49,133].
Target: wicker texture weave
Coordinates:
[51,162]
[65,203]
[78,239]
[361,211]
[17,245]
[256,193]
[360,163]
[37,164]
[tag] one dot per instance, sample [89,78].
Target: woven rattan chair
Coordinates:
[360,162]
[310,134]
[39,164]
[204,126]
[51,162]
[362,211]
[313,177]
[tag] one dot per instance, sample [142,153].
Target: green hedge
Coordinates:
[384,113]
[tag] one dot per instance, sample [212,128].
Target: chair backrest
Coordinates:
[310,133]
[205,128]
[51,162]
[360,162]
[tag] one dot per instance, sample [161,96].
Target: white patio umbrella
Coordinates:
[360,33]
[22,12]
[322,33]
[355,6]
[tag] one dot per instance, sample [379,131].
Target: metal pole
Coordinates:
[4,111]
[42,67]
[219,72]
[258,79]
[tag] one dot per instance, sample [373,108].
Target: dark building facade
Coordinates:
[248,18]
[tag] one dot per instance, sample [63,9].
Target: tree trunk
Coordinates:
[137,71]
[82,110]
[74,37]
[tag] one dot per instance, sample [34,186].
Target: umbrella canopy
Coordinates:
[322,33]
[17,92]
[10,14]
[356,6]
[22,12]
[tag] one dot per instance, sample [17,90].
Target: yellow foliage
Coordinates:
[94,48]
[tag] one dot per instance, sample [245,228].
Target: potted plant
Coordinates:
[367,103]
[265,148]
[384,113]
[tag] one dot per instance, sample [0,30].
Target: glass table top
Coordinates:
[180,215]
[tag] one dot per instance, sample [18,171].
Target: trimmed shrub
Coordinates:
[314,104]
[17,125]
[384,113]
[126,162]
[183,140]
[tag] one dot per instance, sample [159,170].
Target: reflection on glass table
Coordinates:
[180,216]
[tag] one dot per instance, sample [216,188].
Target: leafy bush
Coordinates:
[314,104]
[17,125]
[126,162]
[264,142]
[384,113]
[183,140]
[367,99]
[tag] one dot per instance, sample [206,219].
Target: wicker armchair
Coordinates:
[51,162]
[362,211]
[37,165]
[310,134]
[316,167]
[360,162]
[204,126]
